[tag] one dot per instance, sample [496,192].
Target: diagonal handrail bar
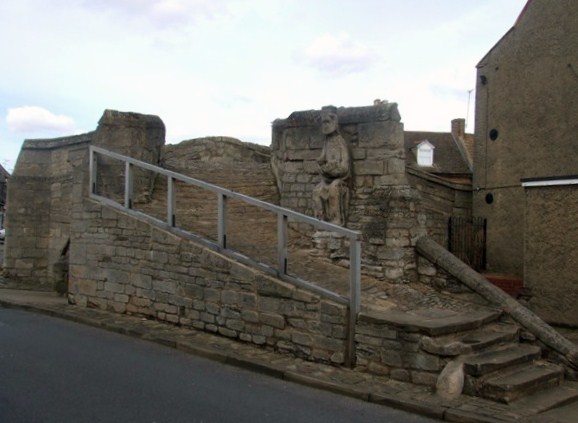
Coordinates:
[284,215]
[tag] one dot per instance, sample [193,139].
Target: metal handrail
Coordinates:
[283,217]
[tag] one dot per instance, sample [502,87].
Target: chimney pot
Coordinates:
[459,127]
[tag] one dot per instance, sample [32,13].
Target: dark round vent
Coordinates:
[494,134]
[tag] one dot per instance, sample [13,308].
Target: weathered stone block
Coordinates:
[358,154]
[275,320]
[378,369]
[332,309]
[229,297]
[268,304]
[114,287]
[302,339]
[121,298]
[368,340]
[268,287]
[392,358]
[212,295]
[85,287]
[250,316]
[370,167]
[401,375]
[140,280]
[245,337]
[304,296]
[259,340]
[207,317]
[171,318]
[423,361]
[328,343]
[256,329]
[423,378]
[166,286]
[396,165]
[235,325]
[390,180]
[193,291]
[379,331]
[394,273]
[117,307]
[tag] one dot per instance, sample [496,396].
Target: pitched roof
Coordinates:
[4,173]
[448,155]
[496,45]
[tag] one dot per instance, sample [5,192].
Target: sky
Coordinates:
[231,67]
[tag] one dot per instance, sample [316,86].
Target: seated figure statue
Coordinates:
[331,195]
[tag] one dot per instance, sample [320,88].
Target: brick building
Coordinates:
[439,165]
[525,155]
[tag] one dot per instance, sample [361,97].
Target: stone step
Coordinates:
[511,385]
[471,341]
[431,322]
[482,363]
[539,402]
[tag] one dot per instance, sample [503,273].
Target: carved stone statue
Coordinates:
[331,195]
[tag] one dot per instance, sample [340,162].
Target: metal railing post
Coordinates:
[282,256]
[354,297]
[222,220]
[128,185]
[171,201]
[283,217]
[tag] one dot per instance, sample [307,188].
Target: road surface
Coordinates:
[53,370]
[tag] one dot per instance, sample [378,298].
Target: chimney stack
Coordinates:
[459,127]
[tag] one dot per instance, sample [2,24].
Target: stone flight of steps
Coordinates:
[499,367]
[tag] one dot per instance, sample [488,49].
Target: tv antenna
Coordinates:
[468,111]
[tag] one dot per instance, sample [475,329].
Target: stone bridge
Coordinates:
[416,323]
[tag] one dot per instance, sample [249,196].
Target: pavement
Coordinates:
[349,382]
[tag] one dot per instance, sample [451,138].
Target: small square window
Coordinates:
[425,152]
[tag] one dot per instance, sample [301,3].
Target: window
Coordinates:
[425,152]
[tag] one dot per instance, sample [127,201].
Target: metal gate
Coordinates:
[467,240]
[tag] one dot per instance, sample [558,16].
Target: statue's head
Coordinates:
[329,123]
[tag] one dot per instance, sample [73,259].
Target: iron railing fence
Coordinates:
[284,217]
[467,240]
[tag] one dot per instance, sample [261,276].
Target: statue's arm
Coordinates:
[338,168]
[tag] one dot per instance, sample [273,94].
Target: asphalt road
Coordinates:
[53,370]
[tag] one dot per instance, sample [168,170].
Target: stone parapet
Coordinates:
[121,264]
[38,213]
[383,206]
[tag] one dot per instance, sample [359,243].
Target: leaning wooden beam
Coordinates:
[441,257]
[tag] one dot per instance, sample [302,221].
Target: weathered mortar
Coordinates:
[396,352]
[213,149]
[383,205]
[131,134]
[38,213]
[40,192]
[128,266]
[441,200]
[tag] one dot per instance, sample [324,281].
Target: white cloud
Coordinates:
[35,119]
[162,13]
[338,54]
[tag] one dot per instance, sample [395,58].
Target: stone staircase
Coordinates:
[500,367]
[497,365]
